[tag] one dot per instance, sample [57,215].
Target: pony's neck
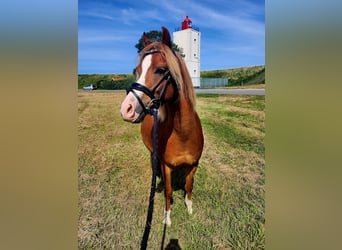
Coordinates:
[177,113]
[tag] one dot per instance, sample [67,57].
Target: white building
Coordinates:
[189,39]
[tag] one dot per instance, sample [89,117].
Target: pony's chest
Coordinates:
[176,147]
[178,152]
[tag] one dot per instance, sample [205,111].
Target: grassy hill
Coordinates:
[237,76]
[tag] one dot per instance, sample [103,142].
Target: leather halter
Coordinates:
[155,102]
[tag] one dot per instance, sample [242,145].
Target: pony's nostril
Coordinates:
[129,108]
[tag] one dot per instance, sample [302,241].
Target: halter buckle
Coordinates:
[153,104]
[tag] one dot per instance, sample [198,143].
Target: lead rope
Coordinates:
[143,245]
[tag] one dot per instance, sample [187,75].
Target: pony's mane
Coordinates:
[177,69]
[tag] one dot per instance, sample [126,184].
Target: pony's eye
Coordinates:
[160,71]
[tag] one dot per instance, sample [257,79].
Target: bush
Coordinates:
[104,81]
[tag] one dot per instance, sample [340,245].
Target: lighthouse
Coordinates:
[189,39]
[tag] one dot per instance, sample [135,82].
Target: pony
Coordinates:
[163,80]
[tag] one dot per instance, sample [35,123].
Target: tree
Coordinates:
[156,36]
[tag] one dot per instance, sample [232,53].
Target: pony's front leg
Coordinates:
[168,194]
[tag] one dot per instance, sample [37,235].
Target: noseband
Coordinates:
[155,102]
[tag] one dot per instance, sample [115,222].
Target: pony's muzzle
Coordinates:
[130,109]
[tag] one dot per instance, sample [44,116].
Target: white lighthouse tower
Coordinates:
[189,39]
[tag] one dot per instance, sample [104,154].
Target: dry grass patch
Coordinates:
[115,173]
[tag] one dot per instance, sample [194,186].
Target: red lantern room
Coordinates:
[186,24]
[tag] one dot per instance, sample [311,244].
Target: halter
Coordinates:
[155,101]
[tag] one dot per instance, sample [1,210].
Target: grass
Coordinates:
[114,178]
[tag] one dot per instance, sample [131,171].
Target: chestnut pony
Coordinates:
[164,81]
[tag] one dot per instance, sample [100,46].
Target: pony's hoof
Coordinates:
[167,218]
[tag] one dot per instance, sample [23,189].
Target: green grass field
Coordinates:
[115,174]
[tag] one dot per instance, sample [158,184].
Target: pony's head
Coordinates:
[161,77]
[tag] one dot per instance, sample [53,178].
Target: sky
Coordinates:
[232,31]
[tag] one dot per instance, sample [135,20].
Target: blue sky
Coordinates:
[232,31]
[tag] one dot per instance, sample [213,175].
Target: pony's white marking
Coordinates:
[162,113]
[167,217]
[146,63]
[129,106]
[188,204]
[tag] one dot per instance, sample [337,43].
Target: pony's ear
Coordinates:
[166,37]
[146,40]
